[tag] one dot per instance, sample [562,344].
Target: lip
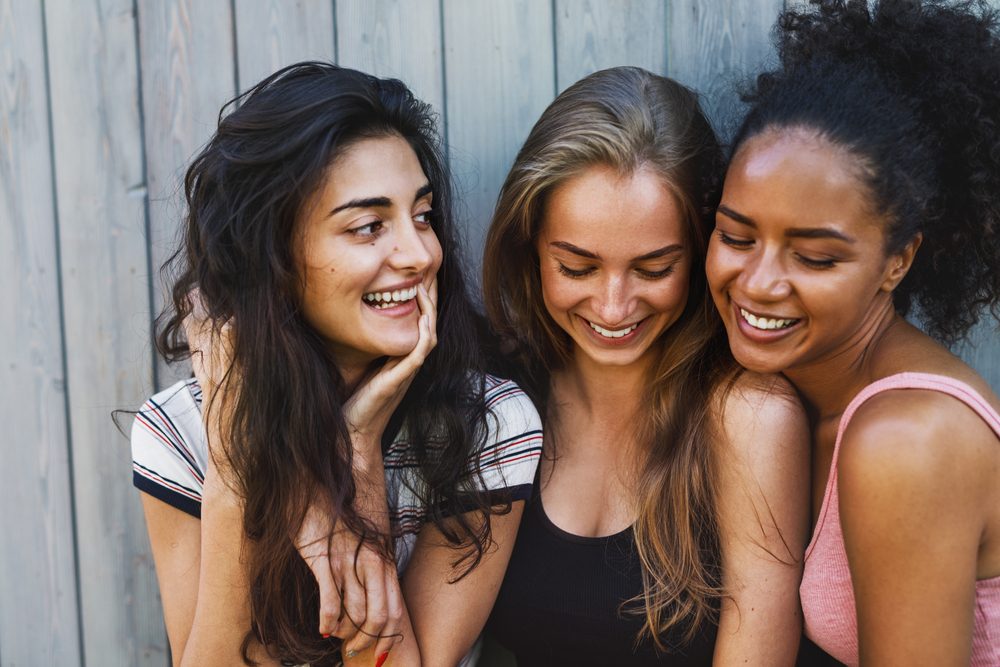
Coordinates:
[627,339]
[763,335]
[403,309]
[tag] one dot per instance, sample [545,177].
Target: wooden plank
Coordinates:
[499,74]
[273,33]
[595,34]
[714,46]
[39,622]
[100,197]
[188,72]
[378,37]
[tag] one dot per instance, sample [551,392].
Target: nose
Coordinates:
[614,301]
[410,251]
[764,278]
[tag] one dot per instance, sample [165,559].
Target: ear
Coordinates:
[898,264]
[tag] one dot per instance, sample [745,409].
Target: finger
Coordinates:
[329,594]
[352,610]
[394,619]
[428,308]
[376,611]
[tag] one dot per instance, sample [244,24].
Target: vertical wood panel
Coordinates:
[499,74]
[595,34]
[394,38]
[39,623]
[274,33]
[100,197]
[713,46]
[188,72]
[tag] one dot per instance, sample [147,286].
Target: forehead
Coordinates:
[797,177]
[381,166]
[607,212]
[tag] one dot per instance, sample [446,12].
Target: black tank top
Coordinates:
[560,602]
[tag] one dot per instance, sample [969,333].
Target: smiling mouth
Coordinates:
[766,323]
[380,300]
[612,333]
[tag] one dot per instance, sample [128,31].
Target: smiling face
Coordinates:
[365,244]
[797,265]
[614,263]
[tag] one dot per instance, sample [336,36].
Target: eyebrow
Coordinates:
[800,232]
[656,254]
[381,202]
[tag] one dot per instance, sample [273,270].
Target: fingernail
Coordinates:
[381,659]
[326,635]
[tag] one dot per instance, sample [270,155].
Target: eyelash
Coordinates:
[741,244]
[374,227]
[648,275]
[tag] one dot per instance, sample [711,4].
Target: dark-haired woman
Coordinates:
[669,517]
[318,236]
[866,181]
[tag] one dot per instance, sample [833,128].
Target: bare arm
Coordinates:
[448,617]
[912,484]
[763,463]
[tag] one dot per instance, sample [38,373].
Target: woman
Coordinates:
[672,488]
[318,233]
[866,180]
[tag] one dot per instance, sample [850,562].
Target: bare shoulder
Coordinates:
[916,443]
[761,415]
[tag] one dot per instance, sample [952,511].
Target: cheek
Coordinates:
[559,293]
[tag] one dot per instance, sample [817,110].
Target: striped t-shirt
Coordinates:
[170,453]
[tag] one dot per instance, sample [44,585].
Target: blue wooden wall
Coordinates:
[102,104]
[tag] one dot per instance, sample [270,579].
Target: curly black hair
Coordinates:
[911,88]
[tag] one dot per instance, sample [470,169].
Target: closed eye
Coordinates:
[574,273]
[653,275]
[816,263]
[733,241]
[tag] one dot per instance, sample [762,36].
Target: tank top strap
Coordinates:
[940,383]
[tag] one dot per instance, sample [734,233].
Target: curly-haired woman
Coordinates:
[865,184]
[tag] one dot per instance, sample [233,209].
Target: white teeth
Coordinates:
[765,323]
[388,299]
[612,333]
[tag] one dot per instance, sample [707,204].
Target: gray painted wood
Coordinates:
[395,38]
[499,77]
[188,73]
[100,197]
[39,623]
[713,46]
[273,33]
[595,34]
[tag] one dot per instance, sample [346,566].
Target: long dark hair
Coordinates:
[627,118]
[288,443]
[911,88]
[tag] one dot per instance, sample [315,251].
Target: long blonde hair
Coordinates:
[627,118]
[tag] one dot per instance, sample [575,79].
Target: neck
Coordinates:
[606,395]
[829,384]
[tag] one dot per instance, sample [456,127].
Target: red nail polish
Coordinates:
[326,635]
[381,659]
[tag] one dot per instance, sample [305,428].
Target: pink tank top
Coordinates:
[826,590]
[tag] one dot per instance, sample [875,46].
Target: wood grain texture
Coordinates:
[394,38]
[273,33]
[188,73]
[499,74]
[713,46]
[595,34]
[39,623]
[100,197]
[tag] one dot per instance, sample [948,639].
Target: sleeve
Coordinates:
[509,457]
[169,449]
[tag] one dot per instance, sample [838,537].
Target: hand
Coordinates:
[360,598]
[368,410]
[211,347]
